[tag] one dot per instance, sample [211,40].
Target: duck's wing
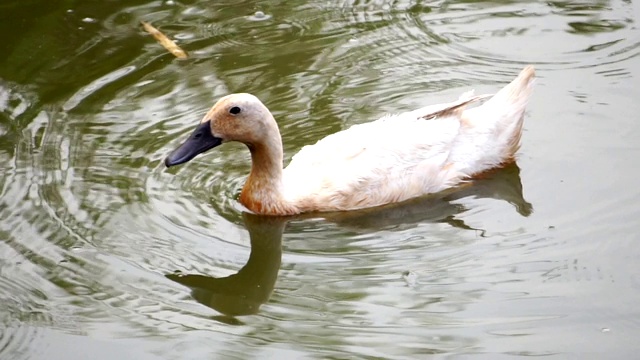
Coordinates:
[388,160]
[448,109]
[405,132]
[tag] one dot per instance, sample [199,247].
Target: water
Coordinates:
[106,254]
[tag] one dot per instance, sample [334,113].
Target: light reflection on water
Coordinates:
[98,238]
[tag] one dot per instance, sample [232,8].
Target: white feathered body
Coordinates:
[403,156]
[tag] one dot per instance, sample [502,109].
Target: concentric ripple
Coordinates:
[100,244]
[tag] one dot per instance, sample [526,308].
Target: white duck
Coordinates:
[395,158]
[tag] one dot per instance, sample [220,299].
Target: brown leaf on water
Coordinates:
[165,41]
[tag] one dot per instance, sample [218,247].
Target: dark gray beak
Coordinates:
[198,142]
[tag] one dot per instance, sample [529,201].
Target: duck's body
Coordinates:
[393,159]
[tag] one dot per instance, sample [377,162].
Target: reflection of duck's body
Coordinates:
[386,161]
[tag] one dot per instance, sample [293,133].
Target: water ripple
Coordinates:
[93,222]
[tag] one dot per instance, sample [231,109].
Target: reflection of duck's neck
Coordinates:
[244,292]
[266,251]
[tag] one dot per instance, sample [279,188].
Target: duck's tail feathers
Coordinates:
[516,91]
[495,127]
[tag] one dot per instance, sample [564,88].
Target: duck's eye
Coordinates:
[234,110]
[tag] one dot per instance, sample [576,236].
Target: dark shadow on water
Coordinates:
[244,292]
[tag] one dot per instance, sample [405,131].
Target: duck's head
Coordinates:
[235,117]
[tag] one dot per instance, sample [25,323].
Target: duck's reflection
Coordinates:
[243,293]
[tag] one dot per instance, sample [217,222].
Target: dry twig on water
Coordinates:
[167,43]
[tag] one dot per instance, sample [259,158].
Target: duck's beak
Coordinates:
[198,142]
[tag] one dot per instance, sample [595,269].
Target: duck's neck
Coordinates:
[262,192]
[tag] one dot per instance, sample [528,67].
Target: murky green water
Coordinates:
[98,239]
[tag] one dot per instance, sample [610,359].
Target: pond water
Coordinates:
[104,253]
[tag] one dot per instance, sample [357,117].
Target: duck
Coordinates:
[390,160]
